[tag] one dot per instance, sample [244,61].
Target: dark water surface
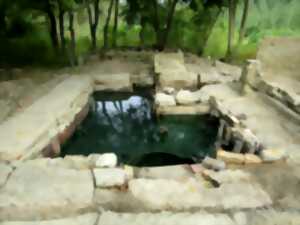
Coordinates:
[124,124]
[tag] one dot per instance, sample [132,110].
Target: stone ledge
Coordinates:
[27,134]
[40,192]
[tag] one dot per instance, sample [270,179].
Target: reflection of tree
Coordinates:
[106,114]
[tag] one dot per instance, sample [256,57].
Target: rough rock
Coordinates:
[109,160]
[5,171]
[112,82]
[213,164]
[199,109]
[143,79]
[178,79]
[164,218]
[109,177]
[117,200]
[75,162]
[162,99]
[279,69]
[191,194]
[252,159]
[185,97]
[227,176]
[38,192]
[271,155]
[230,157]
[243,195]
[85,219]
[169,90]
[228,70]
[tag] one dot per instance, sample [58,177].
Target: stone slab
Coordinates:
[28,133]
[39,192]
[164,218]
[199,109]
[85,219]
[112,82]
[191,194]
[109,177]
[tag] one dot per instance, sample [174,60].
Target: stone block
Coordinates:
[230,157]
[109,177]
[162,99]
[109,160]
[37,192]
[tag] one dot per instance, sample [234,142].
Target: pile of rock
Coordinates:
[182,102]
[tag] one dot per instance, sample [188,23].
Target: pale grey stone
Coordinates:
[5,171]
[162,99]
[40,192]
[185,97]
[112,82]
[107,160]
[109,177]
[214,164]
[164,218]
[85,219]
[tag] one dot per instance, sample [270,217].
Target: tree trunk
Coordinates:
[155,24]
[105,30]
[231,28]
[53,28]
[61,27]
[73,58]
[93,23]
[169,23]
[114,43]
[244,20]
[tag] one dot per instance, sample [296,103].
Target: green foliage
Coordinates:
[198,26]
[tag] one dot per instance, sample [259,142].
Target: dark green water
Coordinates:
[125,125]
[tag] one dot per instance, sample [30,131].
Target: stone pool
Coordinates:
[126,124]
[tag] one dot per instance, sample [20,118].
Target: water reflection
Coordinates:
[125,125]
[116,113]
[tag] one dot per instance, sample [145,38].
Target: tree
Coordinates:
[93,22]
[158,14]
[114,42]
[206,16]
[231,27]
[49,9]
[169,22]
[106,26]
[61,14]
[244,20]
[73,58]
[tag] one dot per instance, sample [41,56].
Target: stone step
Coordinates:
[258,217]
[41,192]
[86,219]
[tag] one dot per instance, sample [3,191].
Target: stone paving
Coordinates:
[65,190]
[260,188]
